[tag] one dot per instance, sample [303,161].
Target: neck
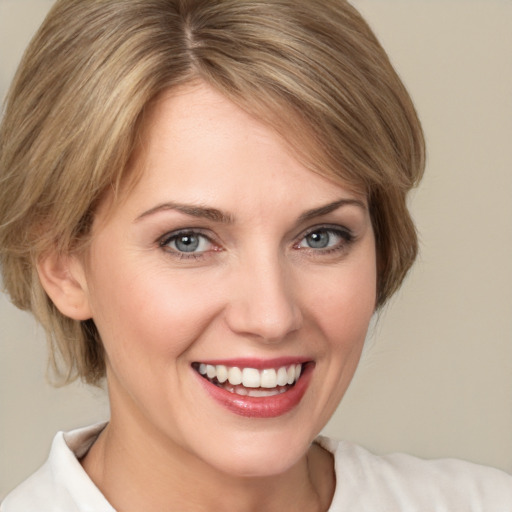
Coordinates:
[140,470]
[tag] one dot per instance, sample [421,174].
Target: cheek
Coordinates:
[154,314]
[341,309]
[345,303]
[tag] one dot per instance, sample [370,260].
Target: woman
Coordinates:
[204,202]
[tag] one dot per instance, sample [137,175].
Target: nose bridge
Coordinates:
[264,304]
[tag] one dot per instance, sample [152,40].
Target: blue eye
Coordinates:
[318,240]
[325,238]
[186,242]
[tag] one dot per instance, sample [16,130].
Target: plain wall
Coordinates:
[436,380]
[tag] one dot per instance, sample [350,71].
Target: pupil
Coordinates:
[318,240]
[187,243]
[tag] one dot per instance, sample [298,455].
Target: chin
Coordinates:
[258,454]
[262,465]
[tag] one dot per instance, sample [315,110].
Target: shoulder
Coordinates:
[400,482]
[61,484]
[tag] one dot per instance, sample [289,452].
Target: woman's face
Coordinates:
[226,271]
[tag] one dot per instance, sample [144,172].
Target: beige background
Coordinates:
[437,378]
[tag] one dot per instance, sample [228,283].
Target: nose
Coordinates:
[263,304]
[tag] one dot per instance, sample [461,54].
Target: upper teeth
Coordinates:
[251,377]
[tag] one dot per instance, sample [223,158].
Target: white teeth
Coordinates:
[235,376]
[222,373]
[291,375]
[265,392]
[282,376]
[251,378]
[268,378]
[210,371]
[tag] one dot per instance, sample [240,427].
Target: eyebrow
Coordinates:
[203,212]
[328,208]
[219,216]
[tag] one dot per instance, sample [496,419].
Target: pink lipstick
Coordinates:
[256,388]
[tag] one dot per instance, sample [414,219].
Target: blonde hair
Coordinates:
[312,69]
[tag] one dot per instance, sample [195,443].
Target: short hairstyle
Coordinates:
[311,69]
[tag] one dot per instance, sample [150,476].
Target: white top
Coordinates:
[365,482]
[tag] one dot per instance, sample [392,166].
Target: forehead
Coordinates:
[196,146]
[197,143]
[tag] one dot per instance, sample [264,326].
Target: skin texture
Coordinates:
[254,289]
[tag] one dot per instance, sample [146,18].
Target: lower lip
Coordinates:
[260,407]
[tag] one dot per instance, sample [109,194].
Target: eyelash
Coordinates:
[345,235]
[168,238]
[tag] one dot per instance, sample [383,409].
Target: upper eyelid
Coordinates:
[169,235]
[348,221]
[326,227]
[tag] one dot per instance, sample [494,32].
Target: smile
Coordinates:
[255,388]
[251,381]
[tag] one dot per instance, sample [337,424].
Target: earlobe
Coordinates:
[63,278]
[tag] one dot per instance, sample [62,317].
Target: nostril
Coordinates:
[268,322]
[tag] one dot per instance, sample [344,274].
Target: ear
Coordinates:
[63,278]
